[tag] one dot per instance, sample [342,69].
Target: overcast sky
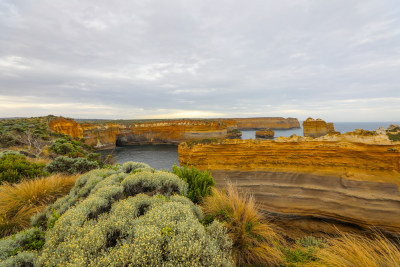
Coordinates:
[334,59]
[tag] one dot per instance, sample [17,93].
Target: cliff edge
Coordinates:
[350,178]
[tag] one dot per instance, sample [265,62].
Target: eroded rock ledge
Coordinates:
[349,178]
[159,132]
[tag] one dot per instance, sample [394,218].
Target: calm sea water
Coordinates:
[164,156]
[157,156]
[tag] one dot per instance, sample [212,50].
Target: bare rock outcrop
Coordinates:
[265,133]
[316,128]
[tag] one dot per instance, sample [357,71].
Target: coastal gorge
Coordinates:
[108,135]
[352,178]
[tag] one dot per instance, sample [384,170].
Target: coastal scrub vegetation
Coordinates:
[14,167]
[200,183]
[254,240]
[133,215]
[18,202]
[129,215]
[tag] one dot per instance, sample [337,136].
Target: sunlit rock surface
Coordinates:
[317,128]
[351,178]
[266,133]
[105,136]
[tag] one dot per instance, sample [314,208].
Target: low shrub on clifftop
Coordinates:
[14,167]
[131,215]
[200,183]
[71,165]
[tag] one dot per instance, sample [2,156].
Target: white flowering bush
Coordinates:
[129,216]
[162,182]
[132,166]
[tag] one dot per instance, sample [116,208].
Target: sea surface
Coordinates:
[165,156]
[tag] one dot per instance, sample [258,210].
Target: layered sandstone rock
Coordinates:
[349,178]
[170,132]
[277,123]
[163,131]
[66,126]
[266,133]
[317,128]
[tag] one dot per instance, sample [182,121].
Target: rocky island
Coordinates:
[265,133]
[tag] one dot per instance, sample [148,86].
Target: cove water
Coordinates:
[165,156]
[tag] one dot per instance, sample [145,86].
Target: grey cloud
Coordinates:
[230,58]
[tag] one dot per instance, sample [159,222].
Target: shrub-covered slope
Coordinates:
[128,216]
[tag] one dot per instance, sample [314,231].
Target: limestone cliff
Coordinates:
[277,123]
[349,178]
[317,128]
[170,132]
[105,136]
[66,126]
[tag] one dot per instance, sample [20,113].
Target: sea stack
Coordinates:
[265,133]
[316,128]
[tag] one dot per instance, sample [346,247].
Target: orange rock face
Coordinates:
[171,132]
[350,179]
[66,126]
[317,128]
[268,122]
[168,131]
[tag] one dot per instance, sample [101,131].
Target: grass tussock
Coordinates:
[43,161]
[18,202]
[359,251]
[254,240]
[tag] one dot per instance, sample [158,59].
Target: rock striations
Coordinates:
[277,123]
[349,178]
[317,128]
[164,131]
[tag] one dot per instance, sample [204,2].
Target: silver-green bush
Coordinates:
[19,249]
[138,231]
[162,182]
[132,216]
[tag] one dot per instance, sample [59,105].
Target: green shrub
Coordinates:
[161,182]
[8,139]
[71,148]
[23,259]
[140,230]
[105,222]
[21,248]
[71,165]
[15,167]
[394,136]
[132,166]
[304,251]
[200,183]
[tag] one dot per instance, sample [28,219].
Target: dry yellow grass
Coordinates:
[359,251]
[38,160]
[254,240]
[18,202]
